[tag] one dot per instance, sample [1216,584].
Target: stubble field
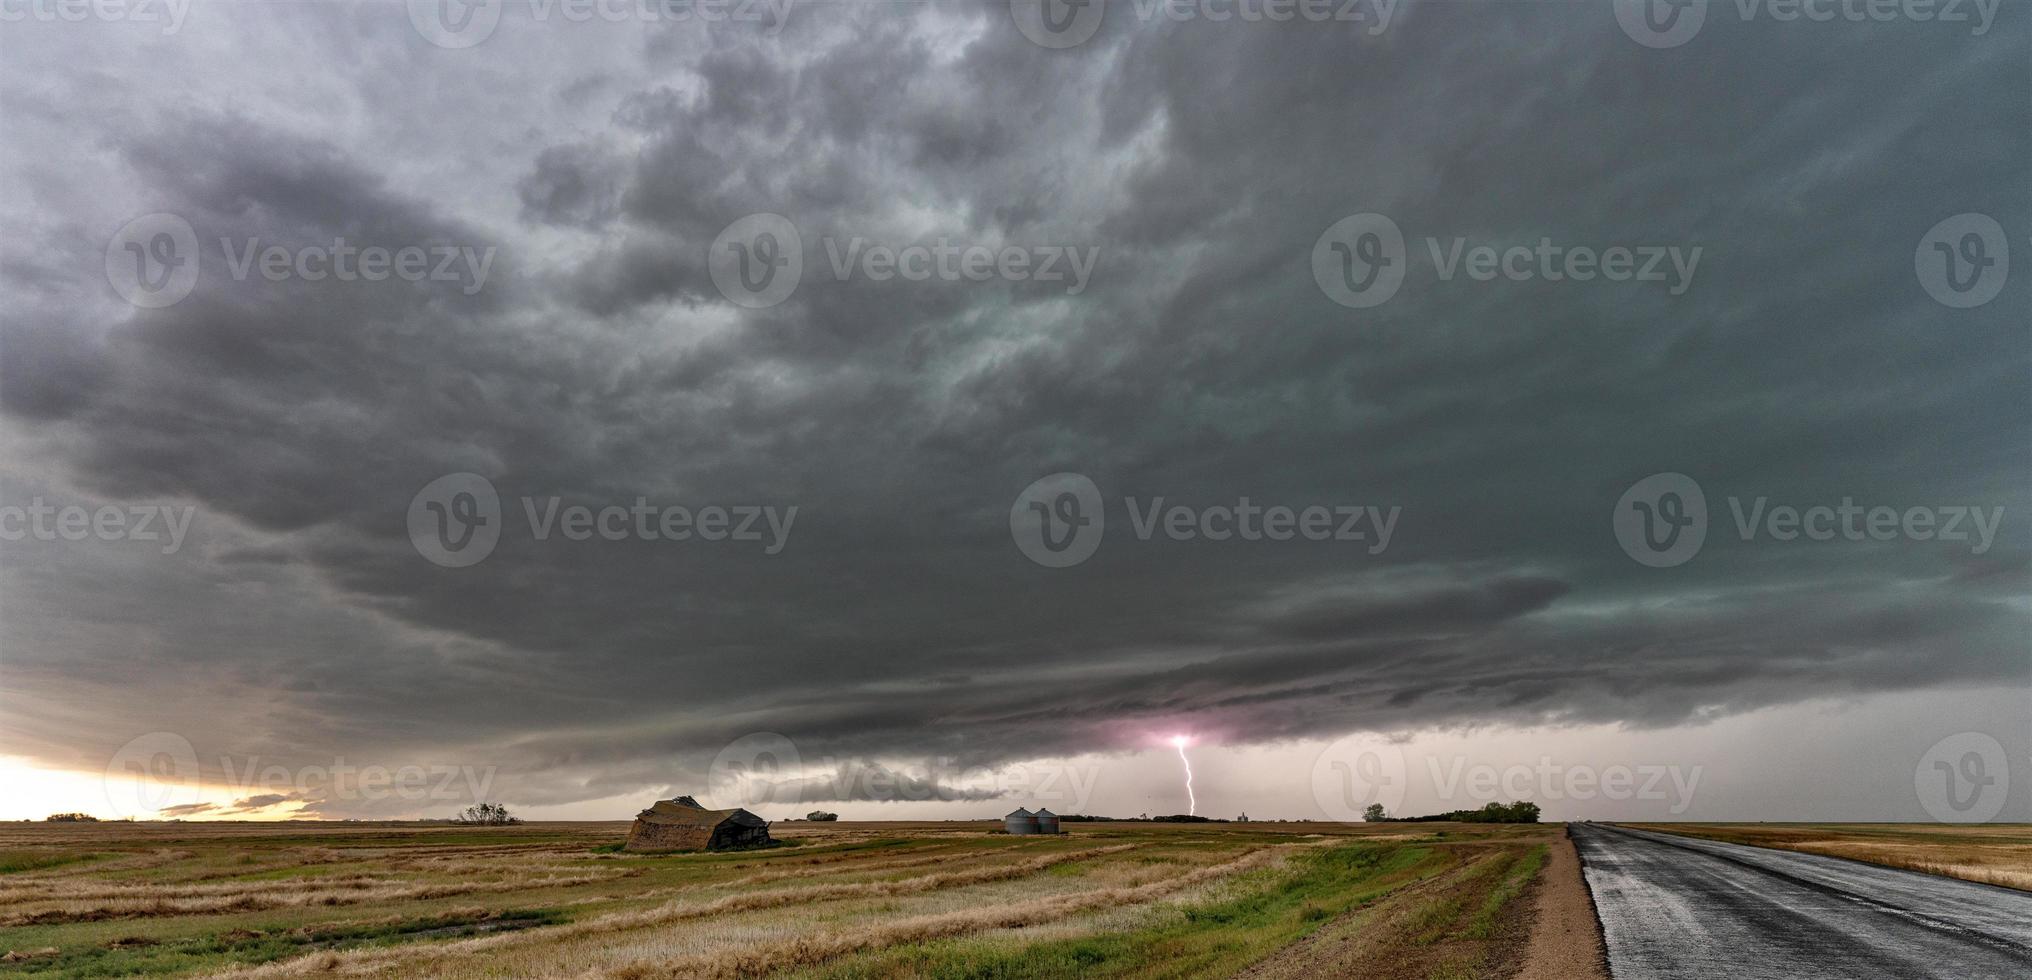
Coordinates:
[844,900]
[1994,854]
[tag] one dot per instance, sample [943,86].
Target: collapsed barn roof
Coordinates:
[685,812]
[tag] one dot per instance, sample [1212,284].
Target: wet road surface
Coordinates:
[1684,908]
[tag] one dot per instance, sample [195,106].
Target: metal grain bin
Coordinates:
[1047,821]
[1021,821]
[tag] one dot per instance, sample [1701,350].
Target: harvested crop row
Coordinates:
[814,949]
[871,864]
[410,960]
[81,890]
[293,898]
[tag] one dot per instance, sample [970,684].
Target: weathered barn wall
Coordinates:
[646,836]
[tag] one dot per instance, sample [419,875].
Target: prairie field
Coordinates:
[842,900]
[1994,854]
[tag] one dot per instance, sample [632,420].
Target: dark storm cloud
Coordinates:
[260,801]
[1203,365]
[865,783]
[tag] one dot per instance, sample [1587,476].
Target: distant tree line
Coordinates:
[1522,811]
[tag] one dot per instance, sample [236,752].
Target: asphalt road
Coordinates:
[1683,908]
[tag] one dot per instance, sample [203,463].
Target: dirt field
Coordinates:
[845,900]
[1996,854]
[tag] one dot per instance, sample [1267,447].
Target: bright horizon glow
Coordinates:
[34,792]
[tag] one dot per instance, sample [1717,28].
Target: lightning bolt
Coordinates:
[1192,808]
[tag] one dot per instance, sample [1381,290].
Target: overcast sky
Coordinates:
[1133,278]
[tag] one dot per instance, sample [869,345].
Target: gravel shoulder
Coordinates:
[1566,938]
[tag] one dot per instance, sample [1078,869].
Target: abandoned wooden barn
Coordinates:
[683,825]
